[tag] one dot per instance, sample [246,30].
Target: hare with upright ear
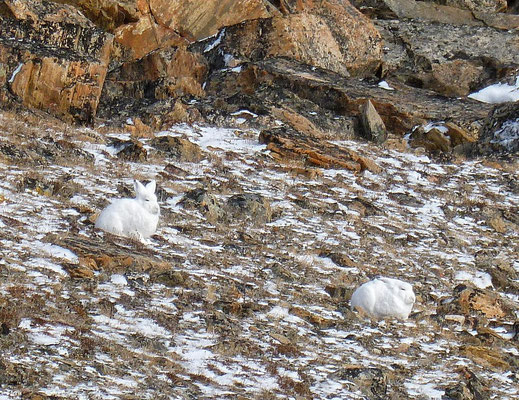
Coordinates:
[384,297]
[135,218]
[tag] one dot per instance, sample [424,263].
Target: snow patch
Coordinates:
[385,85]
[480,279]
[217,41]
[497,93]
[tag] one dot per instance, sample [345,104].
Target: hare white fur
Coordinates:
[384,297]
[135,218]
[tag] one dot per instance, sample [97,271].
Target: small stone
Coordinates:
[280,338]
[207,203]
[373,127]
[172,278]
[460,319]
[498,224]
[311,317]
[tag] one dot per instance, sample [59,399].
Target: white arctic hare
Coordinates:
[135,218]
[384,297]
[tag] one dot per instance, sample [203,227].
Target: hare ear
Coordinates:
[139,187]
[151,186]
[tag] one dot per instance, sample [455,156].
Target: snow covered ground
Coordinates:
[253,315]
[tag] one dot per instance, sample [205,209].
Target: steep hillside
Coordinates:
[244,289]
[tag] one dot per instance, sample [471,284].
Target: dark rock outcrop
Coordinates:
[500,133]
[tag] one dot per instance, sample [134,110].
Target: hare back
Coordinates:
[381,298]
[126,217]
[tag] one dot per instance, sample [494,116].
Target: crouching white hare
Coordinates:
[384,297]
[134,218]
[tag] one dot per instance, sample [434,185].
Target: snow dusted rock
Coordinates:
[250,205]
[384,297]
[207,203]
[136,218]
[371,381]
[178,148]
[441,137]
[500,134]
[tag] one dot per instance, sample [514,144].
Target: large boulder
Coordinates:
[198,19]
[110,14]
[446,49]
[331,34]
[137,39]
[141,26]
[161,75]
[52,58]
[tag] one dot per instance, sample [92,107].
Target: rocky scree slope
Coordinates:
[274,206]
[244,289]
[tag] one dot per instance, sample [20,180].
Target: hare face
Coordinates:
[149,203]
[146,197]
[405,292]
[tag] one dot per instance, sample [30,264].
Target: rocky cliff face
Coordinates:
[201,61]
[301,148]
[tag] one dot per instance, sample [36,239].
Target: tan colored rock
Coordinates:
[454,78]
[488,357]
[476,5]
[426,11]
[331,35]
[439,140]
[109,14]
[355,34]
[502,21]
[306,38]
[164,74]
[287,147]
[372,125]
[472,299]
[297,121]
[199,19]
[458,135]
[311,317]
[58,62]
[498,224]
[145,35]
[139,129]
[365,162]
[178,114]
